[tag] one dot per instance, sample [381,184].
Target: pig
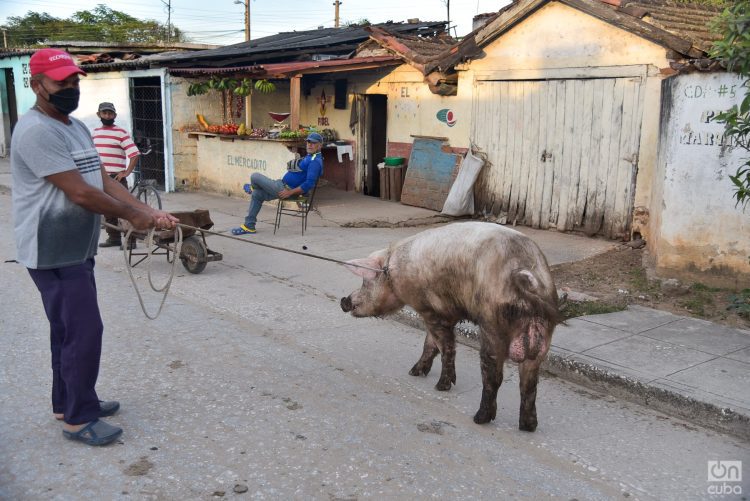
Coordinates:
[493,276]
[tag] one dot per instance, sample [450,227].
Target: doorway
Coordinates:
[148,127]
[377,114]
[10,113]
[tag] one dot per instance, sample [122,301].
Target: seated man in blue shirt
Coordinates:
[300,179]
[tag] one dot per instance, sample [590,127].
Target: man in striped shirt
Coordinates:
[119,156]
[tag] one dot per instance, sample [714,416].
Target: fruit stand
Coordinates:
[228,153]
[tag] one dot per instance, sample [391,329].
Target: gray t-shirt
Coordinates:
[51,231]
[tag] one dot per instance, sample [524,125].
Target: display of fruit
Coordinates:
[244,87]
[258,132]
[241,130]
[202,121]
[229,129]
[293,134]
[264,86]
[329,135]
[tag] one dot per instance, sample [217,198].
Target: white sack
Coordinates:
[460,200]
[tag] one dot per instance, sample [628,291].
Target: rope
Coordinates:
[275,247]
[149,244]
[178,249]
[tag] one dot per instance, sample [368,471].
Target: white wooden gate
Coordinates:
[563,153]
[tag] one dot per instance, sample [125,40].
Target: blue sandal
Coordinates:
[95,433]
[243,230]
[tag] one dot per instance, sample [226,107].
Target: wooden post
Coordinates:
[295,94]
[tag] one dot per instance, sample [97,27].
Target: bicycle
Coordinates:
[145,189]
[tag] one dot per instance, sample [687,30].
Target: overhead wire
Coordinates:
[266,23]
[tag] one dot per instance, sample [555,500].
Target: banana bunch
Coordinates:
[220,84]
[197,89]
[264,86]
[244,87]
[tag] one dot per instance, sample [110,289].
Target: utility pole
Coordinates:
[5,40]
[168,3]
[248,99]
[247,17]
[337,3]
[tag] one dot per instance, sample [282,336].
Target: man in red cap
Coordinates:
[59,192]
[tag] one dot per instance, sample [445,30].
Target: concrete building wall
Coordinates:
[697,231]
[112,87]
[25,98]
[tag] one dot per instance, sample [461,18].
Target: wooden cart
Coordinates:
[194,254]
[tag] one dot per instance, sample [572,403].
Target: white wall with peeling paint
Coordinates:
[699,232]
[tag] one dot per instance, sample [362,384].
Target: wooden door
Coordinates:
[563,153]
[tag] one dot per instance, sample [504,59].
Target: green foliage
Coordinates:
[733,50]
[240,88]
[101,24]
[571,309]
[740,303]
[358,22]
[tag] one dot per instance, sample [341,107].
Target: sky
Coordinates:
[222,21]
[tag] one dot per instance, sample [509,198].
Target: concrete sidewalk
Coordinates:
[682,366]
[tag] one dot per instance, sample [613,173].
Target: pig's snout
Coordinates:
[346,304]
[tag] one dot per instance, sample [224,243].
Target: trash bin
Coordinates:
[392,173]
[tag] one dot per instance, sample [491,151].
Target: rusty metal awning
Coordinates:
[286,70]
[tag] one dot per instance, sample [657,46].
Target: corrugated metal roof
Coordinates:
[325,40]
[282,47]
[283,69]
[4,53]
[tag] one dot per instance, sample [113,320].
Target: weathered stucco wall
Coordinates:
[699,233]
[414,110]
[226,164]
[558,36]
[112,87]
[25,97]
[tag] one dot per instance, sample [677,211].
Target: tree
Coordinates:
[733,50]
[102,24]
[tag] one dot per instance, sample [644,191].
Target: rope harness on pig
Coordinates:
[178,246]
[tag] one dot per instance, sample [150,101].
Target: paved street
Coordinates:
[253,377]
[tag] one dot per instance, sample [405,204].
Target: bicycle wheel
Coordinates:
[149,196]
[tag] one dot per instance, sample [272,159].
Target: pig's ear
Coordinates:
[370,264]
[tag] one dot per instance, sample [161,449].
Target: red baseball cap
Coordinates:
[56,64]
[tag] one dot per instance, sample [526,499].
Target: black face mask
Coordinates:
[65,101]
[108,122]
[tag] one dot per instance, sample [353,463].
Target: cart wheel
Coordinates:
[149,196]
[193,247]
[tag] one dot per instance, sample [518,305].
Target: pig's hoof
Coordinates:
[527,424]
[483,416]
[443,384]
[419,370]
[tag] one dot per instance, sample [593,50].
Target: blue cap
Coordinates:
[314,137]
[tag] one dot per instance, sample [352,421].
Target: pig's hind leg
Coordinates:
[492,354]
[528,372]
[440,338]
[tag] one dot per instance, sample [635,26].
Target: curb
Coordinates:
[721,419]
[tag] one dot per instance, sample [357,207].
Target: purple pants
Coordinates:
[69,298]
